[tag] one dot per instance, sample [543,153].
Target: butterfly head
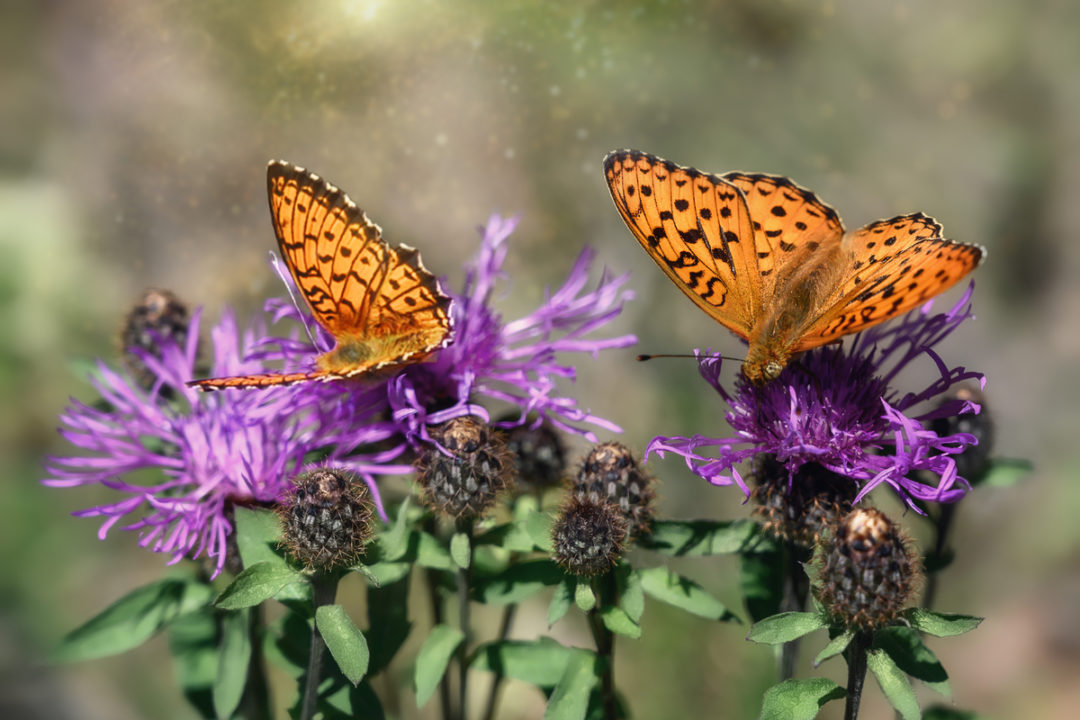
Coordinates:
[763,365]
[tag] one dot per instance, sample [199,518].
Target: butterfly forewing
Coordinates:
[697,229]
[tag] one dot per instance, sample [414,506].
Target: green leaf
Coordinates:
[193,644]
[911,655]
[345,702]
[696,538]
[617,621]
[894,683]
[388,622]
[233,662]
[259,582]
[836,646]
[941,624]
[512,536]
[799,699]
[394,543]
[584,596]
[571,697]
[538,526]
[632,595]
[539,662]
[433,658]
[257,534]
[669,587]
[431,554]
[345,641]
[561,601]
[785,627]
[761,580]
[134,619]
[944,712]
[1005,472]
[386,573]
[517,582]
[460,550]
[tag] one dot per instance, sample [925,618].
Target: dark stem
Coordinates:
[438,616]
[464,525]
[255,703]
[942,525]
[796,590]
[496,684]
[323,590]
[604,591]
[856,660]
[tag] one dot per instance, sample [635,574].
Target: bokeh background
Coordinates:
[133,141]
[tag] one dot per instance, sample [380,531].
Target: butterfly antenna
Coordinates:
[287,281]
[644,358]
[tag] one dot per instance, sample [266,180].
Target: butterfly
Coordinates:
[381,305]
[772,263]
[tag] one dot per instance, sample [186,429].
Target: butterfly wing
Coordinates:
[894,266]
[696,227]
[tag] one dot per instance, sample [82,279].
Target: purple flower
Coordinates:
[835,407]
[213,451]
[515,362]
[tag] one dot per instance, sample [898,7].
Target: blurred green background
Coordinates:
[133,141]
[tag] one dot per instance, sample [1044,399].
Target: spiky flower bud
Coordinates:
[465,482]
[157,316]
[802,509]
[611,474]
[326,518]
[869,570]
[973,463]
[539,454]
[589,536]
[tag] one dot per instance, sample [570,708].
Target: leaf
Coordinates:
[538,526]
[617,621]
[761,579]
[894,683]
[460,550]
[345,641]
[433,658]
[1005,472]
[571,697]
[386,573]
[944,712]
[259,582]
[911,655]
[799,699]
[133,619]
[584,597]
[233,662]
[388,622]
[539,662]
[785,627]
[394,543]
[836,646]
[257,534]
[697,538]
[346,702]
[517,582]
[431,554]
[669,587]
[512,536]
[561,601]
[632,595]
[193,644]
[941,624]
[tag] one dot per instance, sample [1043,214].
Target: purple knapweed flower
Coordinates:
[835,407]
[515,363]
[214,451]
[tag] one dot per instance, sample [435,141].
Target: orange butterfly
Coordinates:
[770,262]
[380,303]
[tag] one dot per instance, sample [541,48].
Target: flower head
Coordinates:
[213,450]
[836,408]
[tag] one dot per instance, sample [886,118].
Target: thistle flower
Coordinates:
[836,408]
[326,518]
[214,451]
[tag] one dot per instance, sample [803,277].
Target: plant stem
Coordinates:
[796,589]
[323,590]
[856,659]
[942,525]
[255,703]
[605,642]
[438,615]
[496,684]
[464,525]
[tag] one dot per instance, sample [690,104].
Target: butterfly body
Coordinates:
[771,262]
[380,304]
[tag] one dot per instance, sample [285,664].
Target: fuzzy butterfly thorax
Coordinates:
[771,262]
[380,304]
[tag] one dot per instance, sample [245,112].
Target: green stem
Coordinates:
[796,590]
[255,703]
[323,590]
[942,525]
[856,659]
[438,616]
[464,525]
[496,684]
[604,592]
